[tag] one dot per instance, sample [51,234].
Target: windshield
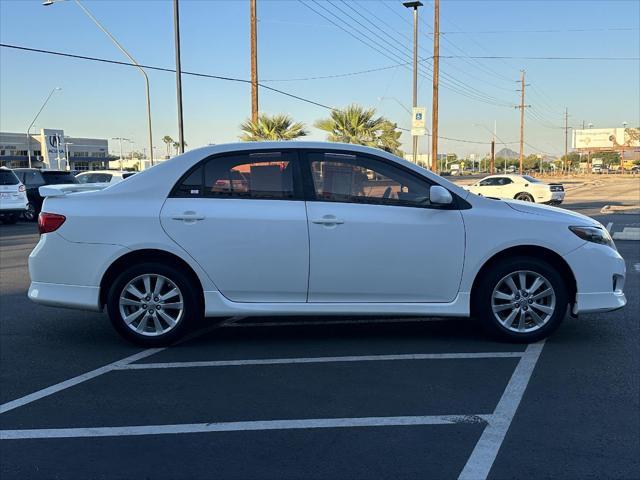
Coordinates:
[7,177]
[531,179]
[56,178]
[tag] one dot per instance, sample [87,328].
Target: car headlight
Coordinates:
[594,234]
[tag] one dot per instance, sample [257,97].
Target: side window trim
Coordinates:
[298,191]
[310,191]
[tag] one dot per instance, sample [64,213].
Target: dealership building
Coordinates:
[52,149]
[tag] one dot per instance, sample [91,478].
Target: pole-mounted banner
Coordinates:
[419,121]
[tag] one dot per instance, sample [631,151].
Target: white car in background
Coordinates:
[519,187]
[103,176]
[13,196]
[314,228]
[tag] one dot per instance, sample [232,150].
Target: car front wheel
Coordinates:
[153,304]
[521,299]
[31,213]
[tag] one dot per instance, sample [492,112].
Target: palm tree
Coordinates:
[276,127]
[360,126]
[168,141]
[176,145]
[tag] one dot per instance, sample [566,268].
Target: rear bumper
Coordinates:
[70,296]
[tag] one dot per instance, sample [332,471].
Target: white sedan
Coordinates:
[519,187]
[313,228]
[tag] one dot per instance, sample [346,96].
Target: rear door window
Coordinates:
[33,178]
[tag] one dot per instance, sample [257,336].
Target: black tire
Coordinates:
[31,213]
[525,197]
[192,311]
[482,298]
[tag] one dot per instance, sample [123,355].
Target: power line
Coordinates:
[196,74]
[162,69]
[508,57]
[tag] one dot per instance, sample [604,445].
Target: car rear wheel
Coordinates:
[521,299]
[153,304]
[525,197]
[31,213]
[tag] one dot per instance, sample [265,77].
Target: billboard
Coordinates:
[594,139]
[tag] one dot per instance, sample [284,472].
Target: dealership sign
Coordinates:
[605,139]
[53,149]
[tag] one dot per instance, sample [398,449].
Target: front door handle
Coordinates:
[328,220]
[188,217]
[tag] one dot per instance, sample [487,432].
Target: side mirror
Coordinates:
[440,196]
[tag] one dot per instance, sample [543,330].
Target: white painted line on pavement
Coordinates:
[486,450]
[241,426]
[609,226]
[45,392]
[58,387]
[351,358]
[293,323]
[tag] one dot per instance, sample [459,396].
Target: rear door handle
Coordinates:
[328,220]
[188,217]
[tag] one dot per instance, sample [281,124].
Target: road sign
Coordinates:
[419,121]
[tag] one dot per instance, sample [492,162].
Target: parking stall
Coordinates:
[301,398]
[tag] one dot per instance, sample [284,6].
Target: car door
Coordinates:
[373,235]
[503,188]
[484,187]
[242,217]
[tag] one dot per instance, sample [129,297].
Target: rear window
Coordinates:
[7,177]
[531,179]
[55,178]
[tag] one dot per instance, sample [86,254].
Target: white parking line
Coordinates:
[352,358]
[484,454]
[58,387]
[241,426]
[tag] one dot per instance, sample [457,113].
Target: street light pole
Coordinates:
[176,27]
[34,121]
[415,6]
[122,49]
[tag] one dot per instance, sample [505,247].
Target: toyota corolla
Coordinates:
[311,228]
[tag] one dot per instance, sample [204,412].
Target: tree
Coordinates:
[176,146]
[276,127]
[355,124]
[168,141]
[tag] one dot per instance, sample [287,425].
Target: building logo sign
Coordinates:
[53,149]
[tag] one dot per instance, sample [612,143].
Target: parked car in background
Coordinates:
[33,179]
[13,198]
[315,228]
[519,187]
[103,176]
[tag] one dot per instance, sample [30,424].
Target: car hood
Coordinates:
[549,211]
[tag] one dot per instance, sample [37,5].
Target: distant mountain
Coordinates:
[508,154]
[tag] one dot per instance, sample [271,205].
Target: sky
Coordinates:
[297,45]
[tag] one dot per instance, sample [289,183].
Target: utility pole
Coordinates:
[254,63]
[566,140]
[436,67]
[522,106]
[415,6]
[493,155]
[176,28]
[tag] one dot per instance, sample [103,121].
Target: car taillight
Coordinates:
[50,222]
[21,188]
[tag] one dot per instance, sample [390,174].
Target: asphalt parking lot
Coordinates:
[316,397]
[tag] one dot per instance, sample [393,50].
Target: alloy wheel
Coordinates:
[523,301]
[30,213]
[151,305]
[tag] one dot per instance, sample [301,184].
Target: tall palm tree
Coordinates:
[168,141]
[355,124]
[276,127]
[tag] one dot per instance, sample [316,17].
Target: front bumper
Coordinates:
[600,273]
